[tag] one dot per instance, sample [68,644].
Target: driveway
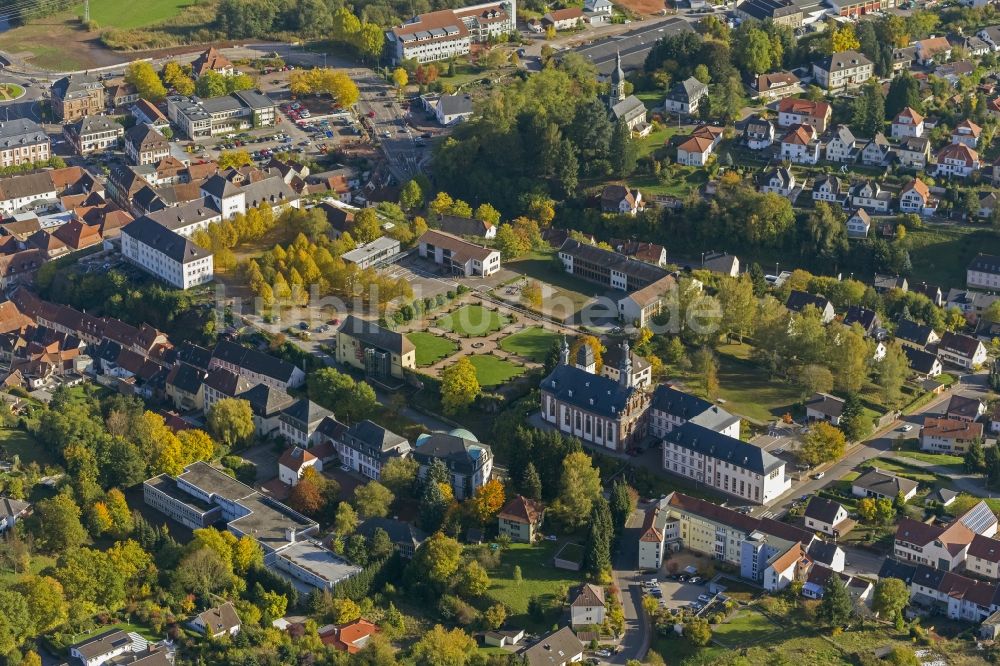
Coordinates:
[638,634]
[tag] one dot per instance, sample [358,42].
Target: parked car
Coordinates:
[819,475]
[704,597]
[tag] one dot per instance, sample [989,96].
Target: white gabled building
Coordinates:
[165,254]
[447,33]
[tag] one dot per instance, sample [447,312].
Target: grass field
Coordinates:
[746,629]
[493,371]
[569,292]
[39,563]
[539,579]
[431,348]
[117,14]
[942,459]
[532,343]
[902,469]
[23,445]
[941,253]
[686,180]
[145,632]
[10,91]
[472,321]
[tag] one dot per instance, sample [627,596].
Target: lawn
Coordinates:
[23,445]
[493,371]
[472,321]
[538,579]
[902,469]
[124,626]
[940,254]
[117,14]
[567,292]
[532,343]
[38,564]
[656,139]
[746,629]
[746,389]
[431,348]
[683,181]
[10,91]
[942,459]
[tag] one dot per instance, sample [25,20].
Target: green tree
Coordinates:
[495,616]
[399,475]
[373,500]
[739,306]
[59,526]
[904,91]
[624,153]
[698,631]
[531,483]
[891,373]
[975,458]
[437,559]
[411,196]
[597,555]
[814,378]
[440,647]
[579,488]
[459,386]
[622,504]
[835,608]
[853,421]
[891,596]
[753,49]
[211,84]
[475,581]
[366,227]
[230,421]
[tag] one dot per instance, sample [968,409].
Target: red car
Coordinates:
[371,114]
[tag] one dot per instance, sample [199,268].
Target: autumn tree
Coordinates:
[531,294]
[824,443]
[58,520]
[437,559]
[595,347]
[230,421]
[373,500]
[440,647]
[307,495]
[579,488]
[843,38]
[141,75]
[487,501]
[459,386]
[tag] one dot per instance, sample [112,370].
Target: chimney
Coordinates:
[290,534]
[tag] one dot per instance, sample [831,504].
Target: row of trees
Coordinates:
[153,86]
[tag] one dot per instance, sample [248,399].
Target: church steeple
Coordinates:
[617,81]
[625,369]
[564,352]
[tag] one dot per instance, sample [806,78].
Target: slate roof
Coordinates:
[186,377]
[822,509]
[867,318]
[963,406]
[265,400]
[957,343]
[592,393]
[826,404]
[556,649]
[457,453]
[158,237]
[687,90]
[799,300]
[843,60]
[633,268]
[722,447]
[400,532]
[823,552]
[920,361]
[254,361]
[884,484]
[305,411]
[373,440]
[911,331]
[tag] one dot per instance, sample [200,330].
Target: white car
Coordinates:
[907,428]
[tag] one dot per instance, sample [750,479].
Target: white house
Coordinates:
[11,510]
[799,145]
[868,194]
[588,606]
[683,98]
[961,350]
[957,159]
[165,254]
[915,197]
[758,133]
[293,464]
[967,133]
[458,256]
[946,435]
[219,621]
[907,122]
[841,70]
[827,188]
[453,109]
[877,151]
[778,180]
[824,407]
[695,151]
[825,515]
[841,146]
[858,224]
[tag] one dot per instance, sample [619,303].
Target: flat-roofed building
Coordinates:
[379,251]
[242,110]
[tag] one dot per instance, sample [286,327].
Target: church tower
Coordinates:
[625,370]
[617,93]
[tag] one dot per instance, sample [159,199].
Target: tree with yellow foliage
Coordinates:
[843,39]
[487,501]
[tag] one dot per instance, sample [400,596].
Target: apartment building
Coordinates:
[145,145]
[256,366]
[165,254]
[93,133]
[943,546]
[447,33]
[671,408]
[77,96]
[366,446]
[23,141]
[843,70]
[949,435]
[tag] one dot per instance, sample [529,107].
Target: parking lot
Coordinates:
[676,593]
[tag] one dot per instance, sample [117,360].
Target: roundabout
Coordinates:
[10,92]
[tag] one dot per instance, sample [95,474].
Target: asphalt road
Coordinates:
[638,634]
[634,44]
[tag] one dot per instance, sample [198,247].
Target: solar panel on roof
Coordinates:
[978,518]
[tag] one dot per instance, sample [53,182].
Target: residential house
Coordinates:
[800,145]
[405,537]
[266,403]
[796,111]
[11,511]
[827,555]
[971,303]
[827,188]
[957,159]
[842,70]
[943,547]
[931,291]
[381,353]
[907,122]
[469,462]
[988,202]
[963,408]
[119,94]
[146,113]
[185,386]
[145,145]
[453,109]
[587,607]
[983,272]
[825,515]
[868,194]
[983,557]
[366,447]
[798,301]
[949,435]
[684,96]
[858,224]
[351,637]
[77,96]
[22,141]
[758,133]
[293,463]
[923,363]
[103,647]
[867,319]
[256,366]
[211,61]
[721,263]
[877,151]
[775,85]
[300,422]
[217,622]
[967,133]
[93,133]
[915,197]
[841,145]
[961,350]
[621,199]
[559,648]
[781,12]
[778,180]
[699,145]
[563,19]
[521,518]
[466,226]
[878,484]
[824,407]
[991,36]
[932,49]
[913,152]
[457,255]
[912,334]
[651,253]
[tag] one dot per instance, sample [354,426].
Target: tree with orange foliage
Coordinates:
[307,495]
[488,501]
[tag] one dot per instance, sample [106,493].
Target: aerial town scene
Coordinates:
[509,333]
